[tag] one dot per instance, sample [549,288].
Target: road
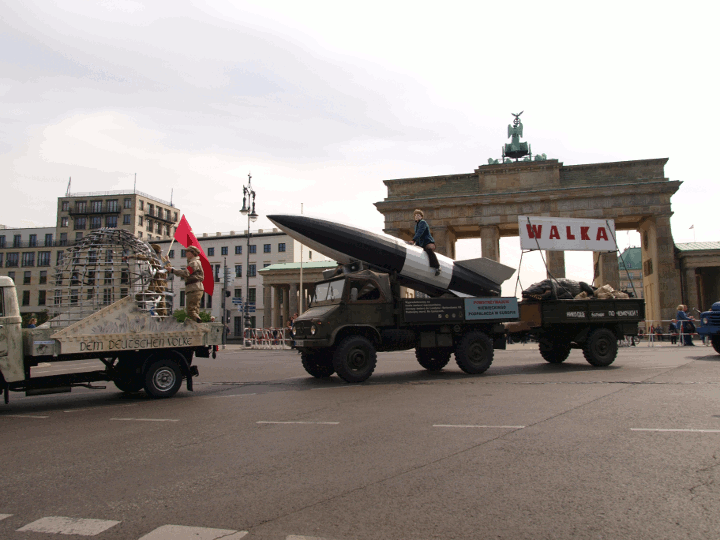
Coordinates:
[260,450]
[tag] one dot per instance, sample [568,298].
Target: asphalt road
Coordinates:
[260,450]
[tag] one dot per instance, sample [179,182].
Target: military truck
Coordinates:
[710,325]
[354,315]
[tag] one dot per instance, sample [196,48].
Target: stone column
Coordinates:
[556,264]
[293,299]
[444,241]
[267,306]
[658,253]
[275,307]
[490,242]
[286,304]
[692,290]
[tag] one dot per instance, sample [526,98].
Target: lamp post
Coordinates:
[248,209]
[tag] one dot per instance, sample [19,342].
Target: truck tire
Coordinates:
[354,359]
[129,383]
[601,347]
[318,363]
[555,352]
[474,353]
[433,359]
[715,340]
[163,379]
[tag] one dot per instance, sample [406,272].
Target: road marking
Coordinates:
[101,407]
[181,532]
[23,416]
[320,423]
[145,419]
[67,525]
[678,430]
[3,516]
[298,537]
[234,395]
[472,426]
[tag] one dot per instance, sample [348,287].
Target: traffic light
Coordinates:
[227,294]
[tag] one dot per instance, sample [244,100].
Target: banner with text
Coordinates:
[567,234]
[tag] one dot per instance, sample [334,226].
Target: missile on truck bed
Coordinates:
[346,244]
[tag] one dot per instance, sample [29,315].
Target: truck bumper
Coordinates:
[311,343]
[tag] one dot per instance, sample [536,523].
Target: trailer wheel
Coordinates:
[474,353]
[354,359]
[601,347]
[318,363]
[433,359]
[163,379]
[555,352]
[715,342]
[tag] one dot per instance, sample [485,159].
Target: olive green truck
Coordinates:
[355,315]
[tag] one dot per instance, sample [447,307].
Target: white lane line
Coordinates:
[22,416]
[67,525]
[101,407]
[145,419]
[298,537]
[3,516]
[181,532]
[320,423]
[678,430]
[234,395]
[474,426]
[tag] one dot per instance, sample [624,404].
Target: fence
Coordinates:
[268,338]
[655,332]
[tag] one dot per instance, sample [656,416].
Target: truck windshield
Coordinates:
[328,292]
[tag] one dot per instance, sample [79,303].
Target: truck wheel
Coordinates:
[163,379]
[129,383]
[355,359]
[715,340]
[318,364]
[474,353]
[601,347]
[555,352]
[433,359]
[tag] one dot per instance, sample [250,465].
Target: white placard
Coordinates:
[567,234]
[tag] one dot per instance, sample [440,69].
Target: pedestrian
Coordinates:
[193,276]
[32,323]
[673,331]
[687,327]
[424,239]
[659,333]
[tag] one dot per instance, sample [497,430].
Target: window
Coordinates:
[209,301]
[12,260]
[1,260]
[167,230]
[96,207]
[11,275]
[48,240]
[238,250]
[107,296]
[44,258]
[108,277]
[17,240]
[252,270]
[63,239]
[80,223]
[151,209]
[28,258]
[265,265]
[167,215]
[2,241]
[175,216]
[95,222]
[59,258]
[140,222]
[43,277]
[182,253]
[251,294]
[310,255]
[64,221]
[224,250]
[65,206]
[27,277]
[148,225]
[281,247]
[127,203]
[142,204]
[111,221]
[217,273]
[56,300]
[126,219]
[211,252]
[81,207]
[33,240]
[158,228]
[91,277]
[26,298]
[41,298]
[266,248]
[238,293]
[253,249]
[182,298]
[139,234]
[238,270]
[90,294]
[171,254]
[113,206]
[78,236]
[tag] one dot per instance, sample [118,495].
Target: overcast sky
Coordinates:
[322,101]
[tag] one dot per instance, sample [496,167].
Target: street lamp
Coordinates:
[248,209]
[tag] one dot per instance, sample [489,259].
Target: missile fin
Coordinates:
[492,270]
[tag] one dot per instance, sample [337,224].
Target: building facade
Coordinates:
[630,266]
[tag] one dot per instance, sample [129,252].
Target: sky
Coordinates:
[323,100]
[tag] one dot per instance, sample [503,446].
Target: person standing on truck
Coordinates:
[687,327]
[193,276]
[424,239]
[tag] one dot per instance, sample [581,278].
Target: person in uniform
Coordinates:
[193,276]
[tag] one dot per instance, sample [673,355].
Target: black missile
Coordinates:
[346,244]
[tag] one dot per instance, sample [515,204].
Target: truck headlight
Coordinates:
[294,331]
[313,330]
[705,321]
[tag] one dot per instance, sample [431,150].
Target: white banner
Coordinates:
[567,234]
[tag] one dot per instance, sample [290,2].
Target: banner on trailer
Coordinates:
[567,234]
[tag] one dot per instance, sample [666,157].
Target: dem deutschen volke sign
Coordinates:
[567,234]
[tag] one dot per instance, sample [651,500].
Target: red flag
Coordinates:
[185,236]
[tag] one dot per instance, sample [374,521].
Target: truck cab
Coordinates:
[710,321]
[11,344]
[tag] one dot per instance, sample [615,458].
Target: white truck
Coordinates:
[139,351]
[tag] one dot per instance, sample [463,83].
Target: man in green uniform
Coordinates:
[193,276]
